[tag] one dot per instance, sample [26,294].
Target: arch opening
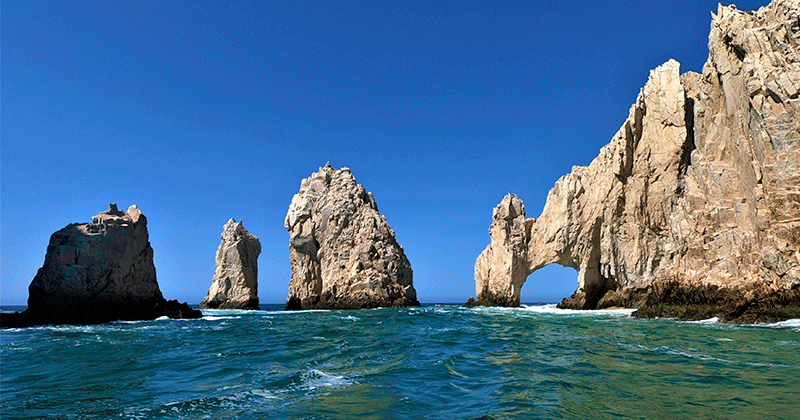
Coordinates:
[549,284]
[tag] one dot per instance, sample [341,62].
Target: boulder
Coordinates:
[235,283]
[693,208]
[343,253]
[98,272]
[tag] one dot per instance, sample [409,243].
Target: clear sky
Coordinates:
[199,111]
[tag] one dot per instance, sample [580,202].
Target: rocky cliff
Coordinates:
[693,209]
[98,272]
[235,283]
[343,253]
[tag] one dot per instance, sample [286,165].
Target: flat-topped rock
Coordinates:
[98,272]
[235,282]
[343,253]
[693,209]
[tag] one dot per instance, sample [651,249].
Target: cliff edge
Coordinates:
[693,209]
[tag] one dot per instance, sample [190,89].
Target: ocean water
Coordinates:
[433,362]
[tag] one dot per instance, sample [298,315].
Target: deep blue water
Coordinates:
[434,362]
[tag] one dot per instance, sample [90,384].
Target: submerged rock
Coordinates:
[693,209]
[98,272]
[343,253]
[235,283]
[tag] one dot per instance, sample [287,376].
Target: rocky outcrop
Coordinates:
[98,272]
[693,209]
[235,283]
[343,253]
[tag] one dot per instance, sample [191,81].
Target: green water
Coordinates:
[434,362]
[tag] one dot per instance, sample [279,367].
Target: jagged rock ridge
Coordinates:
[693,208]
[343,253]
[98,272]
[235,283]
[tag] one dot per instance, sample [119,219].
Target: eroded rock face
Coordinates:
[98,272]
[343,253]
[235,283]
[693,209]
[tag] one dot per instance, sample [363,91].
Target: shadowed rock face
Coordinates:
[343,253]
[98,272]
[693,209]
[235,283]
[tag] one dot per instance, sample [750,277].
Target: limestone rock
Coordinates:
[235,283]
[98,272]
[693,208]
[343,253]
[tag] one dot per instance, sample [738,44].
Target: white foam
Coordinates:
[303,311]
[227,312]
[315,378]
[217,318]
[713,320]
[789,323]
[263,393]
[349,318]
[162,318]
[122,321]
[553,309]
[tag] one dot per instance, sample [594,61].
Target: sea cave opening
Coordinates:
[549,284]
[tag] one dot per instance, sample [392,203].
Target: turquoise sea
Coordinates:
[433,362]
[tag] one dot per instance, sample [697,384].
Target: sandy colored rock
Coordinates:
[98,272]
[693,208]
[343,253]
[235,283]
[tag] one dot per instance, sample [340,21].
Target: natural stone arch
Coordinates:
[691,210]
[521,246]
[609,220]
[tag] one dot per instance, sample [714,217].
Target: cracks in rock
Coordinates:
[735,48]
[688,145]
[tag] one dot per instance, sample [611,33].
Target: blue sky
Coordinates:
[202,111]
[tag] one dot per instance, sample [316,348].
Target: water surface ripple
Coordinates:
[434,362]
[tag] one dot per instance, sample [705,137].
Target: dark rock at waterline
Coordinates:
[98,272]
[484,301]
[99,314]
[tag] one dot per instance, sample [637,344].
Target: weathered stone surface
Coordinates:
[693,209]
[98,272]
[235,283]
[343,253]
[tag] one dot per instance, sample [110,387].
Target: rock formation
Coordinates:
[693,209]
[98,272]
[235,283]
[343,253]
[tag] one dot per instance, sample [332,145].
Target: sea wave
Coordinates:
[315,378]
[553,309]
[218,318]
[713,320]
[214,312]
[789,323]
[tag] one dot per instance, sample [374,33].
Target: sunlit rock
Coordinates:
[343,253]
[693,208]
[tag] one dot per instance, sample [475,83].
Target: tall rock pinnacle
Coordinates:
[343,253]
[235,283]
